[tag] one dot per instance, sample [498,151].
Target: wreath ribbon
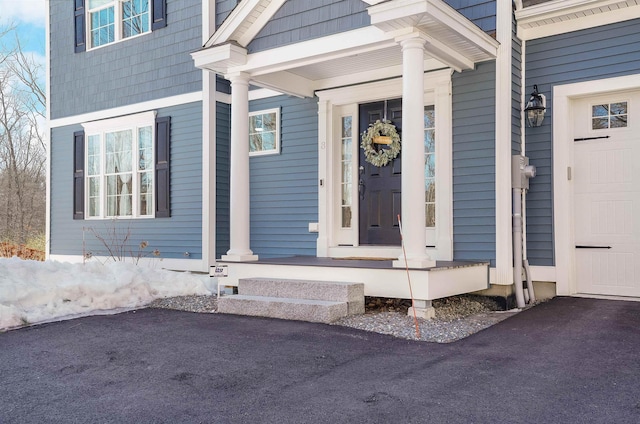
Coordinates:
[381,156]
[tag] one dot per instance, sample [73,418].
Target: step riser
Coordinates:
[282,310]
[316,290]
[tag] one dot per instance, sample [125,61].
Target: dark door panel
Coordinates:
[380,191]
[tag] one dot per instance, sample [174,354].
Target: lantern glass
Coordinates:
[535,108]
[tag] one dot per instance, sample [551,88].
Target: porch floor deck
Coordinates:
[380,277]
[362,263]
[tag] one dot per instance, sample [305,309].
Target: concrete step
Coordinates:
[334,291]
[283,308]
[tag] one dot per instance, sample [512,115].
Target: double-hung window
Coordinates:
[114,20]
[264,132]
[101,22]
[119,177]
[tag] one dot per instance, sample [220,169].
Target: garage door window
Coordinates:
[610,115]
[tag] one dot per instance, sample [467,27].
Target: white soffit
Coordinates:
[446,30]
[358,55]
[563,16]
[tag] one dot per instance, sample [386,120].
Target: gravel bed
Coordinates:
[456,317]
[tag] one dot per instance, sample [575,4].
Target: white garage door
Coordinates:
[606,177]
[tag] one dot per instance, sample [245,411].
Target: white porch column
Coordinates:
[239,216]
[413,189]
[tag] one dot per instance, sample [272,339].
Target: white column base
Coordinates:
[414,263]
[239,258]
[423,309]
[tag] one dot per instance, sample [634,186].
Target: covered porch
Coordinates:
[408,52]
[379,276]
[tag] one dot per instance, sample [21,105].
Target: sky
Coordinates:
[35,292]
[29,17]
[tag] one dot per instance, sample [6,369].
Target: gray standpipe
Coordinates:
[521,172]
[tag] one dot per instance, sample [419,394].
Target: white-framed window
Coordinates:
[346,177]
[109,21]
[609,115]
[264,132]
[119,164]
[430,165]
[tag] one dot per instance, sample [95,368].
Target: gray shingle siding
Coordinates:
[480,12]
[474,164]
[302,20]
[223,9]
[284,187]
[172,236]
[147,67]
[591,54]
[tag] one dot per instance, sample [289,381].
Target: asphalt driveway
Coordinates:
[569,360]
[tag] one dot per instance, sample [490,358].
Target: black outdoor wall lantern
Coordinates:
[535,108]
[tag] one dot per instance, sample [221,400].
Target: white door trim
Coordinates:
[563,161]
[437,90]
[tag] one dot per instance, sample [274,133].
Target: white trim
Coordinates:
[563,16]
[437,91]
[563,159]
[118,19]
[209,217]
[261,93]
[180,99]
[193,265]
[114,124]
[245,21]
[276,149]
[47,136]
[130,123]
[504,248]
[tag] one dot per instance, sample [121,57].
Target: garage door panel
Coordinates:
[606,193]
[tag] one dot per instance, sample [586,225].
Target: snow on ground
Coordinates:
[34,292]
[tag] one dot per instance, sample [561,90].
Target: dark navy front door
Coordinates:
[379,187]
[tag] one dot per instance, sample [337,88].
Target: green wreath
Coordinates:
[381,156]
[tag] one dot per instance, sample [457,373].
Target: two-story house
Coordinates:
[244,133]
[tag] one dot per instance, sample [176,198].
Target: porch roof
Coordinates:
[370,53]
[545,18]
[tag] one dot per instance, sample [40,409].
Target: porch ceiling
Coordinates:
[360,55]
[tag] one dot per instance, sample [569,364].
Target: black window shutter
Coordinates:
[159,12]
[163,186]
[78,175]
[79,25]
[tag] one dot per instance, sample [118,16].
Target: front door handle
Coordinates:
[361,188]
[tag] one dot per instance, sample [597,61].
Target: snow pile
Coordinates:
[34,292]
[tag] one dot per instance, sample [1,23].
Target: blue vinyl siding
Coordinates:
[223,145]
[284,187]
[302,20]
[591,54]
[516,90]
[474,164]
[172,236]
[147,67]
[480,12]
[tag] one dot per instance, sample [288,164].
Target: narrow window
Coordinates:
[346,178]
[430,165]
[264,132]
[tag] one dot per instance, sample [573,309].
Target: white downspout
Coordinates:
[523,200]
